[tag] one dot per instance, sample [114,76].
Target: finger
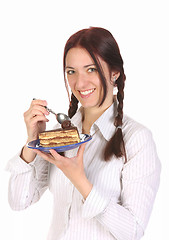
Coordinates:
[81,150]
[39,108]
[38,111]
[35,110]
[55,155]
[39,102]
[36,119]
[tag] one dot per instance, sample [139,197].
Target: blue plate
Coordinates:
[36,144]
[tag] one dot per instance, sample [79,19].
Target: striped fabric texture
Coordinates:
[121,200]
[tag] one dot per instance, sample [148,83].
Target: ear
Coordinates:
[114,77]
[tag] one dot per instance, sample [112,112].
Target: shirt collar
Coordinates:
[105,123]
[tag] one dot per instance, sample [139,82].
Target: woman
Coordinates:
[106,188]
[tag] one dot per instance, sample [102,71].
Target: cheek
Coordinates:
[71,82]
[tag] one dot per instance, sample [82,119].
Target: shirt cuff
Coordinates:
[94,204]
[17,165]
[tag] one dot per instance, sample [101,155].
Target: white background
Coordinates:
[32,37]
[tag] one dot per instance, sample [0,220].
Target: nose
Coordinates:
[81,81]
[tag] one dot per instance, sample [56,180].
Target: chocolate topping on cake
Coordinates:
[66,124]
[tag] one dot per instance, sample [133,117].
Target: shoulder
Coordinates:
[142,157]
[132,127]
[137,137]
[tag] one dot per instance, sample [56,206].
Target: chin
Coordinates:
[90,105]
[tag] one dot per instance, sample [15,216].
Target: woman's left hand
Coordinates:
[73,168]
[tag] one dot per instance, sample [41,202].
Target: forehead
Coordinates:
[78,57]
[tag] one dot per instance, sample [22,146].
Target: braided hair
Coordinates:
[100,43]
[73,106]
[116,143]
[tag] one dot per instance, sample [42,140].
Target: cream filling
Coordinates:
[61,140]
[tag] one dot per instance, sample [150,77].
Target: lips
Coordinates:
[86,93]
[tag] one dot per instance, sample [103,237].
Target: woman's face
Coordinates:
[84,80]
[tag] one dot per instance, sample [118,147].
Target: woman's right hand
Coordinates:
[35,119]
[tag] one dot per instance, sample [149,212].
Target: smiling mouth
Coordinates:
[87,92]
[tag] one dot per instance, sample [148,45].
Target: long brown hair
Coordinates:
[99,42]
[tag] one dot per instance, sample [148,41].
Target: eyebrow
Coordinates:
[86,66]
[89,65]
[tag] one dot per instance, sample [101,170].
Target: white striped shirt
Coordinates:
[121,200]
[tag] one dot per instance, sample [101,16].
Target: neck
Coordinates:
[90,115]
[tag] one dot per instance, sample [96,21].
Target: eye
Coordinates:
[70,72]
[91,69]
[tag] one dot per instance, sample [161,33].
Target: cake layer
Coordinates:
[58,134]
[57,144]
[59,137]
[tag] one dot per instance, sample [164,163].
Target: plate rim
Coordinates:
[71,146]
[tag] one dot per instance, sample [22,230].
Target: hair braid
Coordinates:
[116,144]
[73,106]
[120,97]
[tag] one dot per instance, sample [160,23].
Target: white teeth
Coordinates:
[87,92]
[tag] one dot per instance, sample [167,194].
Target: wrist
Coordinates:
[84,186]
[27,154]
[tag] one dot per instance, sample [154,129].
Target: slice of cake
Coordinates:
[59,137]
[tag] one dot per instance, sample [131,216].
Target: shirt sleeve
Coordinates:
[27,182]
[140,181]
